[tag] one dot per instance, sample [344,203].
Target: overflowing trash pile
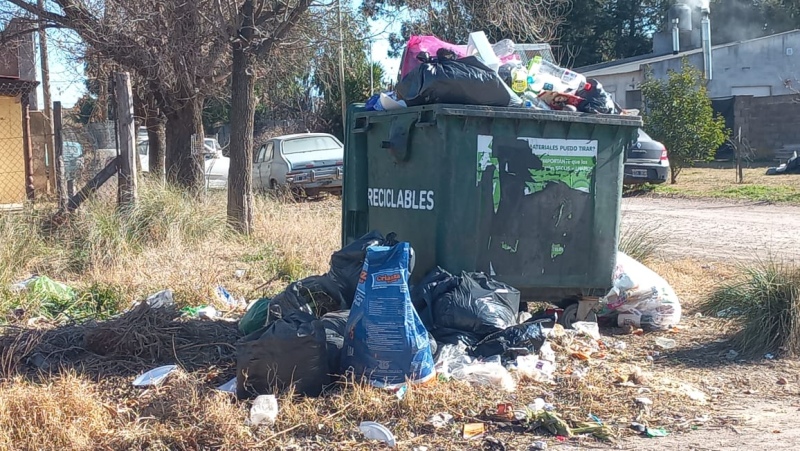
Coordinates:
[433,71]
[371,325]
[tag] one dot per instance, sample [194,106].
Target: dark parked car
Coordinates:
[646,161]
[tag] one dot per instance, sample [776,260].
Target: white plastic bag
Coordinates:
[639,289]
[492,374]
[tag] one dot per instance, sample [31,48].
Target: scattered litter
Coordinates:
[202,312]
[239,273]
[229,386]
[539,445]
[440,420]
[588,329]
[644,401]
[665,343]
[472,430]
[693,393]
[400,393]
[420,448]
[769,356]
[546,352]
[656,432]
[226,298]
[732,355]
[154,377]
[579,373]
[161,299]
[782,381]
[264,410]
[377,431]
[532,368]
[638,427]
[493,444]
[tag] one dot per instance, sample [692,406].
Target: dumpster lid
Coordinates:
[509,113]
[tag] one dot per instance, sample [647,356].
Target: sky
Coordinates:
[67,76]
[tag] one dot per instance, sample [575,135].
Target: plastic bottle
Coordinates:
[547,72]
[504,48]
[519,80]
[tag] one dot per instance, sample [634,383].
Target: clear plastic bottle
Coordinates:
[544,72]
[504,48]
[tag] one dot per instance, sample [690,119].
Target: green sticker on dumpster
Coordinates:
[568,161]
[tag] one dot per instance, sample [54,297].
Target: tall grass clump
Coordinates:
[164,215]
[640,241]
[21,244]
[765,303]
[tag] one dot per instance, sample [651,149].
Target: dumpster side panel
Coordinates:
[532,199]
[403,183]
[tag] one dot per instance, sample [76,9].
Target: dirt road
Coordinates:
[714,230]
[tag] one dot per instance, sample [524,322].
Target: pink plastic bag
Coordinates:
[432,44]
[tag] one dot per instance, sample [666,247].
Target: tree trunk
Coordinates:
[243,107]
[157,140]
[183,167]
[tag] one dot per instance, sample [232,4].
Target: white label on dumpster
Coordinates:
[407,199]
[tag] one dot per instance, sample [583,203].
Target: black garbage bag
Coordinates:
[595,99]
[468,308]
[289,352]
[464,81]
[522,339]
[335,324]
[315,295]
[346,264]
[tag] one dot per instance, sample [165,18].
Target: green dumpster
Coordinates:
[529,197]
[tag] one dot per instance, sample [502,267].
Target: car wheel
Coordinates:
[570,315]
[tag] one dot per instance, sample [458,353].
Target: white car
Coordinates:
[308,162]
[216,164]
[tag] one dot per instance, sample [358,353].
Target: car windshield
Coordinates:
[644,136]
[212,143]
[310,144]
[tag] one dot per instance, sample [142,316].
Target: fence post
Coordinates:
[127,141]
[58,158]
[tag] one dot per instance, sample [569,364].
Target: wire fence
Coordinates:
[16,186]
[88,148]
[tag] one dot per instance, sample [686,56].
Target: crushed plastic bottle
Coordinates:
[665,343]
[544,72]
[504,48]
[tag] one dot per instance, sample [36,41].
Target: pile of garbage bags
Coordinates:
[364,320]
[433,71]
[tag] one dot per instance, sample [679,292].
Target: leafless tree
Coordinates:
[170,44]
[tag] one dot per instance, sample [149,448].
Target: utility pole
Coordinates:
[48,101]
[342,94]
[371,70]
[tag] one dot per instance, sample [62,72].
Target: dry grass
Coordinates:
[68,386]
[720,182]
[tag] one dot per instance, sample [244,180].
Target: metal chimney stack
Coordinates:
[705,32]
[676,37]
